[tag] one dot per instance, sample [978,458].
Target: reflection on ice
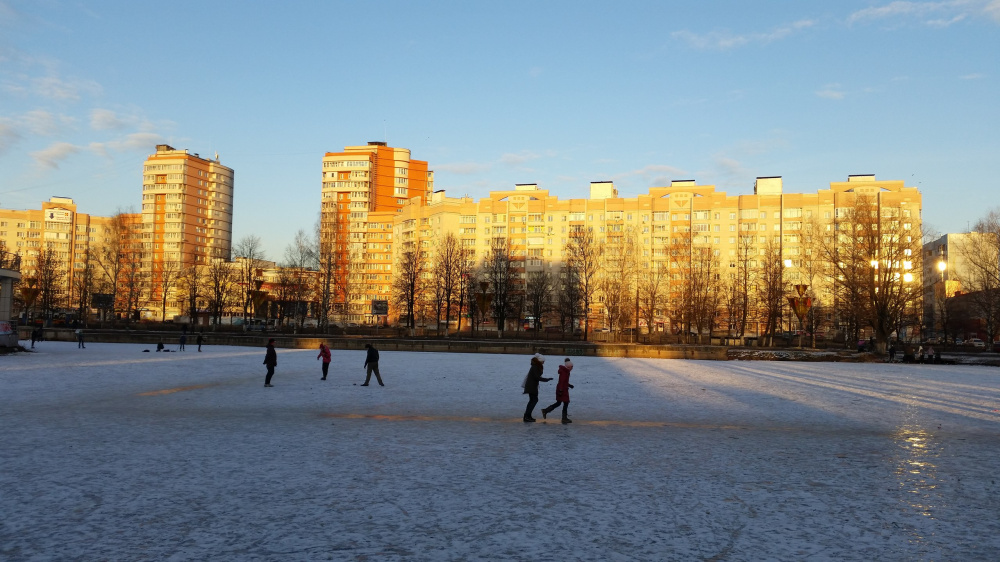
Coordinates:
[916,470]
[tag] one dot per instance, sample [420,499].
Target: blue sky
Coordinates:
[497,93]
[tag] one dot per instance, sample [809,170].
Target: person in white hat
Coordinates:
[562,392]
[531,381]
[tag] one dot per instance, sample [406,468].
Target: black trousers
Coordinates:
[373,367]
[565,406]
[270,373]
[326,368]
[532,400]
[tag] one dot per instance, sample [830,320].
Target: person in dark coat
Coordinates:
[892,353]
[159,347]
[201,339]
[324,353]
[184,340]
[371,365]
[531,381]
[79,339]
[34,337]
[271,360]
[562,392]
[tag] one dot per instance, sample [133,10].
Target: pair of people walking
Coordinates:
[534,377]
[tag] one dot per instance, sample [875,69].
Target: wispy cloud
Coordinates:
[973,76]
[511,159]
[128,143]
[51,157]
[935,14]
[56,88]
[105,119]
[44,123]
[464,168]
[831,92]
[535,71]
[723,40]
[654,175]
[9,135]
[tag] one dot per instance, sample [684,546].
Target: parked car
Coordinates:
[959,341]
[976,343]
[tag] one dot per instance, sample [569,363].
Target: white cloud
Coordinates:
[511,159]
[831,92]
[130,142]
[9,135]
[56,88]
[973,76]
[43,123]
[105,119]
[722,40]
[464,168]
[51,157]
[935,14]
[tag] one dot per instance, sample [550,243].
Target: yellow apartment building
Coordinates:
[363,189]
[56,227]
[537,226]
[187,217]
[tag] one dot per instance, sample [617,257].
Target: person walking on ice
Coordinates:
[531,381]
[371,365]
[79,339]
[201,339]
[271,360]
[324,353]
[562,392]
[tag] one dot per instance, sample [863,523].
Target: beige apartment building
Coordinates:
[187,218]
[364,188]
[56,227]
[538,226]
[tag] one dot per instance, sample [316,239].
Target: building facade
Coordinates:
[187,218]
[670,224]
[364,188]
[55,239]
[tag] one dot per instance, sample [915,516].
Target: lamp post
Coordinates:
[942,267]
[801,304]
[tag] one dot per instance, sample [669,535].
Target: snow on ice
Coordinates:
[111,453]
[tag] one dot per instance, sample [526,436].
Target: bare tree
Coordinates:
[466,267]
[705,283]
[584,253]
[165,274]
[83,288]
[652,281]
[408,283]
[49,275]
[538,295]
[875,254]
[447,276]
[981,252]
[192,284]
[119,258]
[250,256]
[499,271]
[771,287]
[739,285]
[569,296]
[299,257]
[618,272]
[221,284]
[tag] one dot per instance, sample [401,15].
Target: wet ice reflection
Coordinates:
[916,470]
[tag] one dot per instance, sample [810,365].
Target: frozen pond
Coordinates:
[111,453]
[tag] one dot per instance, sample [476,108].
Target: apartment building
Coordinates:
[58,228]
[678,217]
[187,216]
[363,189]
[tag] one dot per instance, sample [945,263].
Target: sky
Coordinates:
[493,94]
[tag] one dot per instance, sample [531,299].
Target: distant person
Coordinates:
[920,354]
[562,392]
[892,353]
[930,354]
[271,360]
[531,381]
[34,337]
[200,340]
[324,354]
[79,339]
[184,340]
[159,347]
[371,365]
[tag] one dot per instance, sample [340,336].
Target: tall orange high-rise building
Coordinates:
[364,188]
[187,215]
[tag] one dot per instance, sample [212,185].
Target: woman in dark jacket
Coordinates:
[271,360]
[531,384]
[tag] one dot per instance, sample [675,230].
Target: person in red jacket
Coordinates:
[324,352]
[562,392]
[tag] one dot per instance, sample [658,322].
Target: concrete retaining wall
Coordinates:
[172,339]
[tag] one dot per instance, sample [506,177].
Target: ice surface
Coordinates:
[111,453]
